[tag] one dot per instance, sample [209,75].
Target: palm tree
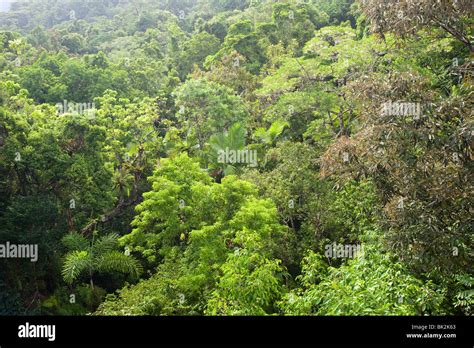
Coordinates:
[233,139]
[99,255]
[269,136]
[266,138]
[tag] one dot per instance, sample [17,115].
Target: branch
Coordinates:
[117,211]
[461,37]
[304,70]
[133,199]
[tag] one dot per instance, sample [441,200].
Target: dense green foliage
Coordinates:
[201,157]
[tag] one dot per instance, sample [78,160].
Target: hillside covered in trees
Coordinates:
[237,157]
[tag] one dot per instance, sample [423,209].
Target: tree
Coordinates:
[205,108]
[241,38]
[231,71]
[73,42]
[297,22]
[251,278]
[215,235]
[233,140]
[349,289]
[407,17]
[96,256]
[195,50]
[168,210]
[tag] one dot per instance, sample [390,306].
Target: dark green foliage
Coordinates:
[133,175]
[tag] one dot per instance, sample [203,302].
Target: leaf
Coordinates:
[105,244]
[75,241]
[115,261]
[76,262]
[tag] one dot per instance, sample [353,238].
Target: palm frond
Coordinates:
[75,241]
[115,261]
[105,244]
[276,129]
[233,139]
[76,262]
